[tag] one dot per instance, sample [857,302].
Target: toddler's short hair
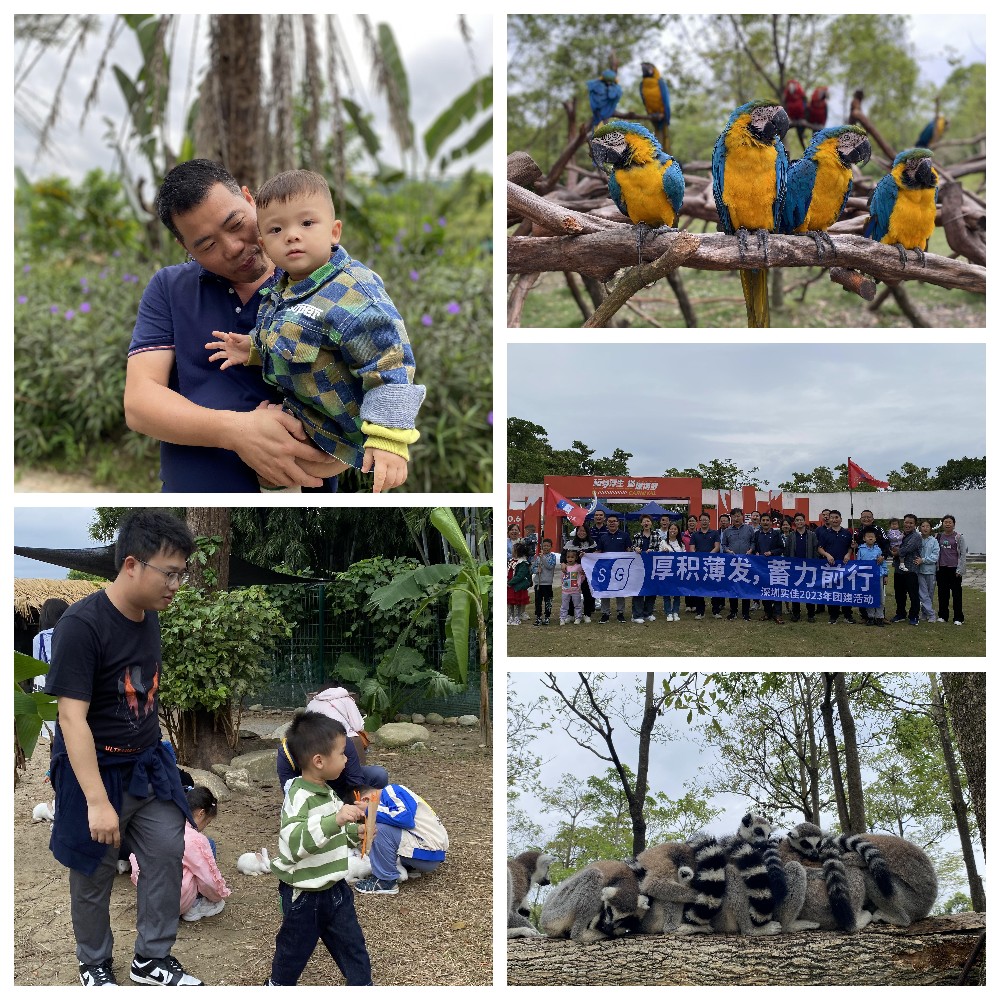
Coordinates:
[311,733]
[292,184]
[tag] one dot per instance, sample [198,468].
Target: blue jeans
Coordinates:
[643,606]
[671,605]
[385,854]
[326,914]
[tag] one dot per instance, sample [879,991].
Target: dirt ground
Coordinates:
[437,930]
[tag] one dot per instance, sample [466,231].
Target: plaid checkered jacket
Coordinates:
[337,347]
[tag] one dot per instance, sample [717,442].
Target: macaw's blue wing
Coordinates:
[798,194]
[927,135]
[718,182]
[615,191]
[781,182]
[665,96]
[883,201]
[673,186]
[847,194]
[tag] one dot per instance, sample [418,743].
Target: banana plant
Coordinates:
[467,584]
[30,710]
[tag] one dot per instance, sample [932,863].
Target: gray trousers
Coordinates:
[606,605]
[156,833]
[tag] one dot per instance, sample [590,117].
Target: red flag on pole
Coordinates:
[573,511]
[855,475]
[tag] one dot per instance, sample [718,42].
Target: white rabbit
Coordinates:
[358,867]
[254,864]
[44,812]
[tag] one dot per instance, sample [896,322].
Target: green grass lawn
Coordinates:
[717,299]
[714,637]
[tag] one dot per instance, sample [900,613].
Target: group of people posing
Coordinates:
[921,559]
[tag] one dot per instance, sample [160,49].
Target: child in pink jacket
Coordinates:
[203,889]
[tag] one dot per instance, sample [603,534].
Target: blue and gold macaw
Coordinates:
[933,131]
[645,183]
[749,170]
[902,207]
[819,184]
[604,94]
[656,100]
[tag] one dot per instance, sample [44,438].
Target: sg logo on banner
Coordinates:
[613,576]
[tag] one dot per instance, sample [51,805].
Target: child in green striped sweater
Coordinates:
[316,901]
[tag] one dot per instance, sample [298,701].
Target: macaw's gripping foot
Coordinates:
[743,239]
[822,240]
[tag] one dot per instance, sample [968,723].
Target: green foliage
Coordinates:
[722,474]
[398,676]
[72,325]
[351,600]
[465,109]
[530,456]
[214,645]
[30,710]
[57,221]
[958,902]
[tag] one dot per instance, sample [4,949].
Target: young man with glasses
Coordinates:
[110,771]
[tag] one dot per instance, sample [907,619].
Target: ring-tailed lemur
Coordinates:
[900,881]
[833,895]
[528,869]
[708,883]
[667,871]
[600,901]
[748,906]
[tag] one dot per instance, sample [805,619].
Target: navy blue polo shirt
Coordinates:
[617,541]
[704,541]
[836,543]
[181,306]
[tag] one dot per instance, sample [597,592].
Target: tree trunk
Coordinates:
[965,695]
[637,802]
[976,891]
[834,753]
[852,763]
[230,126]
[204,741]
[211,522]
[929,952]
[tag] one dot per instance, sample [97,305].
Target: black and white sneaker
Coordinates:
[161,972]
[98,975]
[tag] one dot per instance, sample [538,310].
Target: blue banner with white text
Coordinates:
[756,578]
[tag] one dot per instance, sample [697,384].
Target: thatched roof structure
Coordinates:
[30,595]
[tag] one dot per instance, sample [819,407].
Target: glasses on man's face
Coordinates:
[174,578]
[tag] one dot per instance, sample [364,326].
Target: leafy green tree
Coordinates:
[721,474]
[214,645]
[961,474]
[910,477]
[529,454]
[31,709]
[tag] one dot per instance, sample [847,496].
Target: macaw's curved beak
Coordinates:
[776,126]
[604,156]
[924,173]
[860,154]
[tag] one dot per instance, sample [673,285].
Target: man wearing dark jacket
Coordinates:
[769,542]
[802,544]
[613,539]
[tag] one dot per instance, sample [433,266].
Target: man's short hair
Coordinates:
[797,516]
[866,511]
[312,733]
[704,513]
[736,510]
[837,512]
[146,532]
[949,517]
[544,540]
[615,516]
[914,516]
[187,186]
[293,184]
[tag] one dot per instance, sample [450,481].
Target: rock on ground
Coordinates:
[400,734]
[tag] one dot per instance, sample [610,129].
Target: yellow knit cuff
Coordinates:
[255,360]
[391,439]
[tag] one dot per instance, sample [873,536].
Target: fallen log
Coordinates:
[930,952]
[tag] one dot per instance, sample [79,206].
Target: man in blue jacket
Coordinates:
[613,539]
[769,542]
[835,546]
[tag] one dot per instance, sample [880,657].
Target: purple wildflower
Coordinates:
[83,282]
[414,275]
[103,274]
[22,299]
[53,309]
[426,319]
[69,314]
[26,268]
[442,221]
[489,418]
[454,308]
[85,307]
[117,253]
[427,227]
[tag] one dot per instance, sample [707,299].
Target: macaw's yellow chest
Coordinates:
[912,219]
[651,96]
[750,185]
[645,199]
[832,179]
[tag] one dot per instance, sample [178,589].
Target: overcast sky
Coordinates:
[50,528]
[436,59]
[783,408]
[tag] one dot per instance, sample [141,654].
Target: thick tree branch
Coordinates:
[601,255]
[929,952]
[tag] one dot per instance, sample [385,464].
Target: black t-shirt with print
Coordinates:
[112,662]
